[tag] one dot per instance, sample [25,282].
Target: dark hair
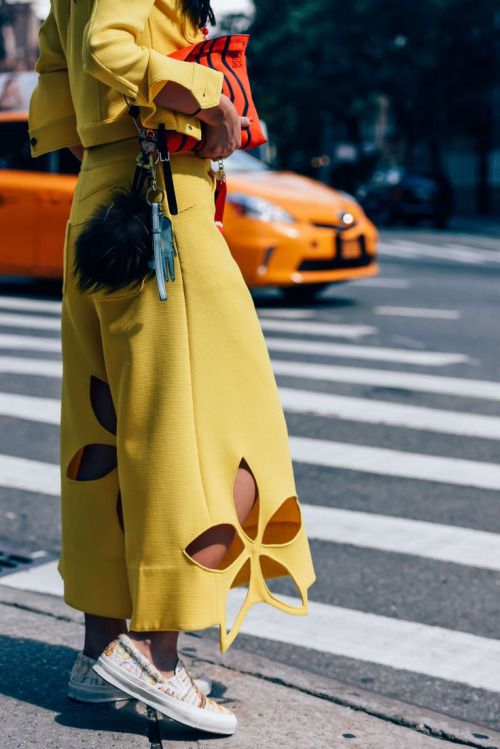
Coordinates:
[199,11]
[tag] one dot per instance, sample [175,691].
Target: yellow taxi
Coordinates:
[283,230]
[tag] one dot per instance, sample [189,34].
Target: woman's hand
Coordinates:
[222,123]
[222,131]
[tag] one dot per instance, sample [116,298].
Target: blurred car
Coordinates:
[294,232]
[283,229]
[400,195]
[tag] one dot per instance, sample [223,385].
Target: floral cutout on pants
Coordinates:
[258,553]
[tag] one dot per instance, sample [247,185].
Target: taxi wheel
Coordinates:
[303,294]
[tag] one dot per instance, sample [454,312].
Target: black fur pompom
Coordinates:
[114,248]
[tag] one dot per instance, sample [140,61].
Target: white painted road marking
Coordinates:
[37,476]
[13,320]
[320,348]
[372,353]
[30,475]
[434,651]
[372,411]
[47,411]
[384,283]
[34,305]
[441,653]
[32,343]
[384,462]
[290,314]
[443,543]
[450,253]
[317,328]
[485,389]
[35,367]
[434,314]
[33,408]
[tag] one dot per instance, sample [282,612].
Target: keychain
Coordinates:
[162,235]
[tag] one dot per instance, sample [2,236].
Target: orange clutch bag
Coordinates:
[228,55]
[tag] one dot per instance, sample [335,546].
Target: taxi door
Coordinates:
[17,224]
[53,197]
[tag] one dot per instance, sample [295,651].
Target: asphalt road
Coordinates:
[391,389]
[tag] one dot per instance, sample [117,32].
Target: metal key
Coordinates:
[163,249]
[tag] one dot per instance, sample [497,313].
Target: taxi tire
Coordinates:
[304,293]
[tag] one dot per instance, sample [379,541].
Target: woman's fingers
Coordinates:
[222,140]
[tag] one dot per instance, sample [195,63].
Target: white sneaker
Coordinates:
[124,667]
[85,685]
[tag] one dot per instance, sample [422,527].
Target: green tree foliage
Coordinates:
[309,58]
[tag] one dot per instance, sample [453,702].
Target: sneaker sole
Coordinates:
[170,706]
[88,693]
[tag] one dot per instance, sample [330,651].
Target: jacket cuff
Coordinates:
[205,84]
[54,136]
[51,107]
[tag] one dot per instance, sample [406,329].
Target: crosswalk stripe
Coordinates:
[384,462]
[373,353]
[324,405]
[446,543]
[29,475]
[289,314]
[484,389]
[399,247]
[35,305]
[411,646]
[317,328]
[41,343]
[443,543]
[11,319]
[441,653]
[33,408]
[433,314]
[26,366]
[320,348]
[32,475]
[487,254]
[384,283]
[371,411]
[440,542]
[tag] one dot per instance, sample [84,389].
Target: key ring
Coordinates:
[155,189]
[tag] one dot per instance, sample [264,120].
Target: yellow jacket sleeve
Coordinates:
[52,119]
[112,54]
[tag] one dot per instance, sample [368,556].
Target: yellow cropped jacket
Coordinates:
[92,52]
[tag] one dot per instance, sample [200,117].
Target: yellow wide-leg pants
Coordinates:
[194,395]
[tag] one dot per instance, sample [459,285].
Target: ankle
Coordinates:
[159,648]
[99,632]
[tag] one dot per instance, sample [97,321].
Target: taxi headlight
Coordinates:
[259,208]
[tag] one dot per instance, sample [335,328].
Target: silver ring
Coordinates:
[155,190]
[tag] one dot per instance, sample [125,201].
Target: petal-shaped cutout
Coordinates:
[280,583]
[246,499]
[236,599]
[217,547]
[102,404]
[284,525]
[92,462]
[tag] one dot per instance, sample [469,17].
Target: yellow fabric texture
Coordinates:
[93,52]
[194,393]
[190,378]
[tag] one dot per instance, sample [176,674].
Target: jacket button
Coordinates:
[33,141]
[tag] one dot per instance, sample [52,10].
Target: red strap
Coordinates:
[220,202]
